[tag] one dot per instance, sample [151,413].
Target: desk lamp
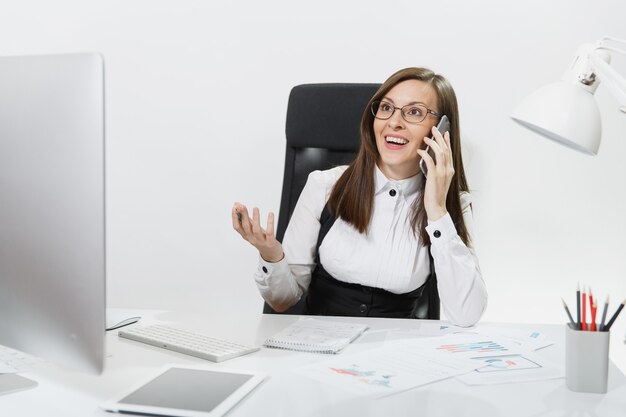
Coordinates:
[566,111]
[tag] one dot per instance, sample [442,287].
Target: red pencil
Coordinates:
[594,307]
[584,318]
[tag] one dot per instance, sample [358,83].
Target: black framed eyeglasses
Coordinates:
[412,113]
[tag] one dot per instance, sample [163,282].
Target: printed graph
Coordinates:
[479,347]
[365,377]
[506,363]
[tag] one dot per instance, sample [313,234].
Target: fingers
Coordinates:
[428,160]
[260,233]
[440,145]
[256,221]
[237,217]
[447,138]
[270,225]
[246,223]
[242,222]
[439,138]
[250,228]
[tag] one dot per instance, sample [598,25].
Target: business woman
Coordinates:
[362,237]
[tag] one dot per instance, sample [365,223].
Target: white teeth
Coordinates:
[399,141]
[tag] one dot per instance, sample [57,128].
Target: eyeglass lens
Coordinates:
[412,113]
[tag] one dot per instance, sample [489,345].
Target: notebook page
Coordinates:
[314,335]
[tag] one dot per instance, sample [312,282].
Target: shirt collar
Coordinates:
[406,187]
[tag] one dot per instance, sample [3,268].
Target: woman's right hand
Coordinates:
[264,240]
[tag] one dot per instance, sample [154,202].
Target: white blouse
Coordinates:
[388,256]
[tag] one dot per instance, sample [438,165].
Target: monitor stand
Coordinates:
[12,382]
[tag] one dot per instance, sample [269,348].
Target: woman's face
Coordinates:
[398,140]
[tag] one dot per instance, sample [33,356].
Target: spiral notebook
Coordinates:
[318,336]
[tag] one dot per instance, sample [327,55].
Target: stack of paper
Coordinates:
[399,365]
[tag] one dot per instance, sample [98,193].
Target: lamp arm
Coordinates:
[612,39]
[610,48]
[614,81]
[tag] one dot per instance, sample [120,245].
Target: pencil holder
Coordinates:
[586,360]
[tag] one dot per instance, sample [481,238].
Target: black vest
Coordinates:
[330,297]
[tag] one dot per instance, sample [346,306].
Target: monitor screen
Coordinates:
[52,208]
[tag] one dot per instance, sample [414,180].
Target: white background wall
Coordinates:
[196,100]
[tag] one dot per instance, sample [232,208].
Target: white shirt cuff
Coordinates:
[441,230]
[266,269]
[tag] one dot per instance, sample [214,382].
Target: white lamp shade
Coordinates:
[563,112]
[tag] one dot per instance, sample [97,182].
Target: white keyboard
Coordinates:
[189,343]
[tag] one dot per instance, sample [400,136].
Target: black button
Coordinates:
[265,270]
[392,192]
[437,233]
[363,308]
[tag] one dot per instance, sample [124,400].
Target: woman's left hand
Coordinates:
[440,173]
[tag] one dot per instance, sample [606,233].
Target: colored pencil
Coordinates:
[594,307]
[619,309]
[571,320]
[583,325]
[606,307]
[591,327]
[578,326]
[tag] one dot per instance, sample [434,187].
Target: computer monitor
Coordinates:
[52,209]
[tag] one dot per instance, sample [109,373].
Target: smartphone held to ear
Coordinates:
[443,127]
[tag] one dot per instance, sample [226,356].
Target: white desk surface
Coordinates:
[62,393]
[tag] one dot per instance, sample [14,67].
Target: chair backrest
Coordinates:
[323,132]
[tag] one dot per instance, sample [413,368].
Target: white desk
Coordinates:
[62,393]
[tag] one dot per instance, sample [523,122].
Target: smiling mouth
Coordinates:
[396,141]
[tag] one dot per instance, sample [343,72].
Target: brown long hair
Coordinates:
[352,197]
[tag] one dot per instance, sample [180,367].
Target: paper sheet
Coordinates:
[527,340]
[425,329]
[467,345]
[398,366]
[410,363]
[520,367]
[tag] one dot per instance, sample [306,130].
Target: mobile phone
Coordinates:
[443,127]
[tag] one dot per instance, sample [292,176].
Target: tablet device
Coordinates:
[186,392]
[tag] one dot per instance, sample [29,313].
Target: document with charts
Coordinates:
[499,359]
[405,364]
[520,367]
[511,367]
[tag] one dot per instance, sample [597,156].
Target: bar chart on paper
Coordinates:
[479,347]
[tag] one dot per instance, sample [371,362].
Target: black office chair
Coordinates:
[323,132]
